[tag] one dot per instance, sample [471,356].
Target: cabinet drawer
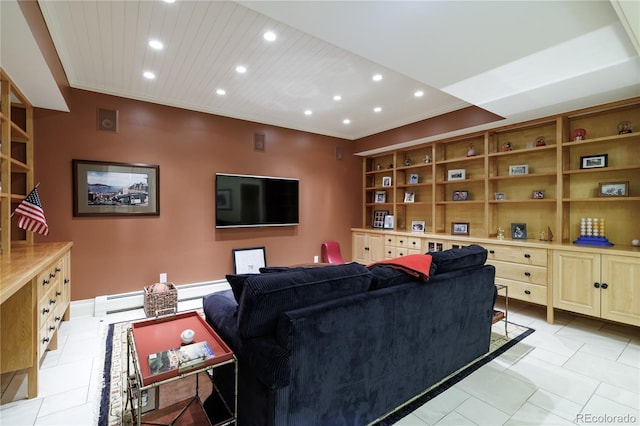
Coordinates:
[414,243]
[523,291]
[527,256]
[389,240]
[389,252]
[402,241]
[526,273]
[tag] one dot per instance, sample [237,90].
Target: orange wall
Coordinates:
[115,255]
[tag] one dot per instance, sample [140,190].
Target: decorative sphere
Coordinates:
[187,336]
[159,288]
[635,243]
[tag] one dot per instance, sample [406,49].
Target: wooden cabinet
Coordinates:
[16,159]
[367,247]
[401,245]
[599,285]
[35,297]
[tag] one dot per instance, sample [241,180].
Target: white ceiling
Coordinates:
[518,59]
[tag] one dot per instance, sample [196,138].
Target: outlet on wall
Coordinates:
[315,259]
[163,277]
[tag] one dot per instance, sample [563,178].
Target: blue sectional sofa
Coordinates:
[347,344]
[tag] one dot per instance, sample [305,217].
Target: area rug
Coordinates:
[114,410]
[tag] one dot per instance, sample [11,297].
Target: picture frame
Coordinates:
[537,194]
[594,161]
[381,197]
[149,398]
[386,180]
[456,174]
[417,226]
[519,169]
[102,188]
[378,218]
[499,196]
[388,221]
[613,189]
[223,199]
[414,178]
[249,260]
[459,228]
[460,195]
[519,231]
[409,197]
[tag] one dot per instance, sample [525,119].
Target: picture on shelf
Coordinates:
[417,226]
[613,189]
[519,231]
[409,197]
[388,221]
[460,195]
[381,197]
[413,178]
[460,228]
[457,174]
[386,181]
[520,169]
[499,196]
[378,218]
[538,195]
[594,161]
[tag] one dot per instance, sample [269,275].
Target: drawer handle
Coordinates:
[604,286]
[527,256]
[527,274]
[414,243]
[596,285]
[57,319]
[45,340]
[58,269]
[52,301]
[66,280]
[58,293]
[389,252]
[45,282]
[527,292]
[45,311]
[492,251]
[388,240]
[52,275]
[52,327]
[401,241]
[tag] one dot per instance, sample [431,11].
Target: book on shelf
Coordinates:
[183,358]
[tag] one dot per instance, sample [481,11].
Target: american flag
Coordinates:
[31,214]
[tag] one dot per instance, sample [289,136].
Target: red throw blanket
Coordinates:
[417,265]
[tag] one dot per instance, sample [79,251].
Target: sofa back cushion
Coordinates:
[265,296]
[461,258]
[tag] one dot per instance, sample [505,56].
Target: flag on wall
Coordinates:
[31,214]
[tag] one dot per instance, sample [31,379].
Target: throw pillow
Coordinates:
[453,259]
[237,282]
[384,276]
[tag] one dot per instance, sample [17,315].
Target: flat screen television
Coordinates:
[250,201]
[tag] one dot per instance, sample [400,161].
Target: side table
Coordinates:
[160,334]
[499,315]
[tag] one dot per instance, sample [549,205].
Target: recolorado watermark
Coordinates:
[603,419]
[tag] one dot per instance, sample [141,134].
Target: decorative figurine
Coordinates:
[378,167]
[500,233]
[578,134]
[540,141]
[624,127]
[506,146]
[427,158]
[390,166]
[471,151]
[546,236]
[408,161]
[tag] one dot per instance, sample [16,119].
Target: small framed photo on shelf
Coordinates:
[413,178]
[613,189]
[499,196]
[378,218]
[386,181]
[460,195]
[456,174]
[520,169]
[459,228]
[381,197]
[519,231]
[388,221]
[409,197]
[594,161]
[417,226]
[538,195]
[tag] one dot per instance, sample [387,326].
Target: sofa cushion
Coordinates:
[265,296]
[453,259]
[384,276]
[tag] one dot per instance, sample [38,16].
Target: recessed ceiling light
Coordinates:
[149,75]
[156,44]
[221,92]
[241,69]
[346,121]
[169,1]
[308,112]
[337,98]
[377,77]
[269,36]
[377,109]
[419,94]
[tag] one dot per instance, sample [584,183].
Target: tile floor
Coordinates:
[576,371]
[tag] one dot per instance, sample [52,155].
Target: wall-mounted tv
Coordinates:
[245,200]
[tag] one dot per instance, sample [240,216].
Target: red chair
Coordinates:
[331,252]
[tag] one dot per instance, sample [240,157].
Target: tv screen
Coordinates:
[244,200]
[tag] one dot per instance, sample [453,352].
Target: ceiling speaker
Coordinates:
[258,142]
[108,120]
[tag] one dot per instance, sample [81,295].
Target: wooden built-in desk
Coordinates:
[35,295]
